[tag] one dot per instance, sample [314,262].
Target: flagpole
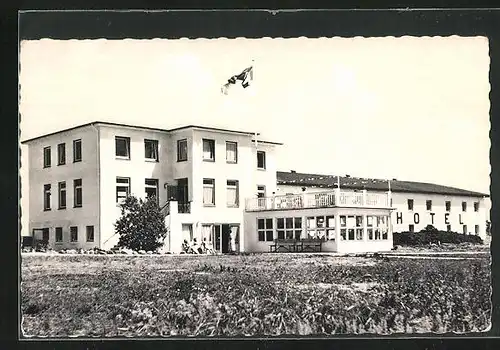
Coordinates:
[389,196]
[252,93]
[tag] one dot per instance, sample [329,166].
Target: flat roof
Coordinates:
[144,128]
[269,142]
[356,183]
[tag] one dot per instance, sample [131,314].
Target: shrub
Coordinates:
[141,225]
[432,235]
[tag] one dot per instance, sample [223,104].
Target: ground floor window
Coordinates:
[45,234]
[321,227]
[377,227]
[59,234]
[476,229]
[351,227]
[73,230]
[265,230]
[206,233]
[187,232]
[90,233]
[330,228]
[289,228]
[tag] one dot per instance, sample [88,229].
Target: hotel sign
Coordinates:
[416,218]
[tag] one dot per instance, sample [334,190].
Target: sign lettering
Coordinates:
[416,218]
[399,218]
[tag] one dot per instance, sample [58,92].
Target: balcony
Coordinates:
[182,208]
[319,200]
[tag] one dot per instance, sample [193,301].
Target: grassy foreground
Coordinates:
[269,294]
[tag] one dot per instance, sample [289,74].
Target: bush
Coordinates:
[141,225]
[432,235]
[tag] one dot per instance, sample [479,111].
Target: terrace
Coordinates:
[310,200]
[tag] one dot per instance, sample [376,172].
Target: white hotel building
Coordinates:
[222,186]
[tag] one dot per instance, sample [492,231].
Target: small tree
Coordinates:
[488,227]
[141,225]
[430,228]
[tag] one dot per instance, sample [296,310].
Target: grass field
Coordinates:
[268,294]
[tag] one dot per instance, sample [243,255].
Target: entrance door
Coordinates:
[216,239]
[226,236]
[182,195]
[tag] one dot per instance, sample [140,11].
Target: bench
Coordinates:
[287,245]
[293,245]
[310,245]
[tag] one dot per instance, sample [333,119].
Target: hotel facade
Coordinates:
[221,186]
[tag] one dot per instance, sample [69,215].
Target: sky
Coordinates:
[408,108]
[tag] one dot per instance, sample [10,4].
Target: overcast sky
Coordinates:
[406,108]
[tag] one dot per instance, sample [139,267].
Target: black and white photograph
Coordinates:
[254,187]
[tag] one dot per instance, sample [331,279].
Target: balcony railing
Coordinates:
[319,200]
[184,207]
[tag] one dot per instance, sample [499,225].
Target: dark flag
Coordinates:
[245,77]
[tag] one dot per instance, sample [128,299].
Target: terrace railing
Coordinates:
[319,200]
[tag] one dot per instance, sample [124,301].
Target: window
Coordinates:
[73,230]
[62,195]
[351,227]
[208,149]
[261,191]
[233,199]
[46,157]
[151,150]
[122,189]
[122,147]
[59,235]
[90,233]
[378,227]
[77,196]
[261,160]
[428,204]
[411,228]
[476,206]
[476,229]
[182,150]
[330,227]
[447,205]
[359,228]
[61,154]
[448,228]
[151,189]
[410,204]
[265,230]
[464,206]
[77,151]
[45,234]
[316,227]
[46,197]
[464,228]
[231,152]
[289,228]
[208,192]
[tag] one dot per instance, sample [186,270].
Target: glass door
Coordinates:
[216,238]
